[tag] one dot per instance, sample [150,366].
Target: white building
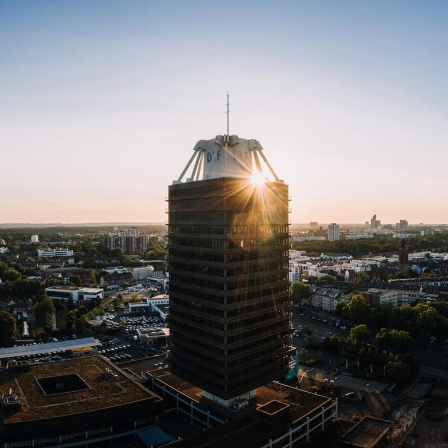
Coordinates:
[56,253]
[142,273]
[34,238]
[64,293]
[327,298]
[153,336]
[159,304]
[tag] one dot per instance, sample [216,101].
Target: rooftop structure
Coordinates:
[38,349]
[72,400]
[368,433]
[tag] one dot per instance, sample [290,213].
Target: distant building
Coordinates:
[368,433]
[34,238]
[359,236]
[65,293]
[326,298]
[159,305]
[314,225]
[128,274]
[375,223]
[56,253]
[396,298]
[402,225]
[333,232]
[403,258]
[129,240]
[308,238]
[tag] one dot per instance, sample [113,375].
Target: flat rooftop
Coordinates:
[38,349]
[107,387]
[367,432]
[301,403]
[248,428]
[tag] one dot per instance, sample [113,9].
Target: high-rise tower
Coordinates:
[333,232]
[403,258]
[228,263]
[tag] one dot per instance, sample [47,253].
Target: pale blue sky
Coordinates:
[102,102]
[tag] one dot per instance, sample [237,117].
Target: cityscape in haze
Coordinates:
[102,102]
[222,224]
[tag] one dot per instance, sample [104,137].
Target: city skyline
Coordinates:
[102,103]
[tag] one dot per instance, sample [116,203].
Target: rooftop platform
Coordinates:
[107,387]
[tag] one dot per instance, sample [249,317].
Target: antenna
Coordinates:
[228,113]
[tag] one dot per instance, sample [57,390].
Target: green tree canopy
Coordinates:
[8,329]
[300,291]
[44,314]
[326,279]
[75,279]
[360,333]
[358,309]
[11,275]
[391,339]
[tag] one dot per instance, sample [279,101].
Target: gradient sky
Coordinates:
[102,102]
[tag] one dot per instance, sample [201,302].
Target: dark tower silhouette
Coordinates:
[228,264]
[403,258]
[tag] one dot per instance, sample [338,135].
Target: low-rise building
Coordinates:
[55,253]
[368,433]
[158,305]
[326,298]
[65,293]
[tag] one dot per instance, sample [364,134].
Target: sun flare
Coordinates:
[258,178]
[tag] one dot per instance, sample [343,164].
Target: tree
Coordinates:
[300,291]
[70,304]
[11,275]
[3,268]
[398,371]
[360,333]
[44,314]
[341,308]
[8,329]
[427,320]
[441,307]
[391,339]
[71,322]
[326,279]
[382,316]
[361,277]
[358,309]
[307,330]
[117,252]
[75,279]
[404,319]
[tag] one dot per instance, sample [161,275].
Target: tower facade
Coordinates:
[228,264]
[403,258]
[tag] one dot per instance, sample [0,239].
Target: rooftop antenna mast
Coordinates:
[228,114]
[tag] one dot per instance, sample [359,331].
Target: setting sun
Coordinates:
[258,178]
